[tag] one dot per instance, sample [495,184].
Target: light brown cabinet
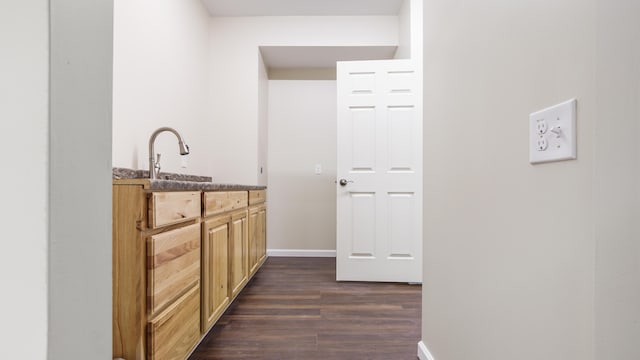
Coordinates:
[156,273]
[179,260]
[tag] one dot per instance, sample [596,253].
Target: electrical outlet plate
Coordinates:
[552,133]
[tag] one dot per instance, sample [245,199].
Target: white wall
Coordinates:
[234,75]
[24,98]
[410,24]
[404,31]
[417,36]
[508,246]
[263,121]
[530,262]
[302,133]
[616,184]
[79,327]
[161,61]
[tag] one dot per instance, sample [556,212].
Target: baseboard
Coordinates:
[300,253]
[423,352]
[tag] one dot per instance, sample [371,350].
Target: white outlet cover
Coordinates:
[560,138]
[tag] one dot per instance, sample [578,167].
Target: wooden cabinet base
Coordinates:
[176,268]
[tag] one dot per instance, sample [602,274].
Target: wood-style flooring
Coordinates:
[294,309]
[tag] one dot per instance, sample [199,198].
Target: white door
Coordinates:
[379,203]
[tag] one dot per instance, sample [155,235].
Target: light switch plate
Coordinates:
[552,133]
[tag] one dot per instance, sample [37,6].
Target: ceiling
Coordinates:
[282,57]
[302,7]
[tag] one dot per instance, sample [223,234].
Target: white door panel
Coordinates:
[379,229]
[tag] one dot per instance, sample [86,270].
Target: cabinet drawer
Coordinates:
[257,196]
[167,208]
[217,202]
[174,332]
[173,265]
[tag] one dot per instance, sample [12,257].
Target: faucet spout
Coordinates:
[154,166]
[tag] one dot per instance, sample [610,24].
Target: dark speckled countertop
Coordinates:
[174,182]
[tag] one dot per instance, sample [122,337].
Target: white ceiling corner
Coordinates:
[282,57]
[302,7]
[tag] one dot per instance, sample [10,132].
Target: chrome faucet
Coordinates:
[154,164]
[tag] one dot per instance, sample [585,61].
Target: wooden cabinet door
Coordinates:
[257,237]
[239,268]
[262,235]
[215,255]
[254,235]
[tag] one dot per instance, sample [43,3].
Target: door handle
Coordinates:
[344,182]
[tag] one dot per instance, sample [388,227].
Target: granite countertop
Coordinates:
[175,182]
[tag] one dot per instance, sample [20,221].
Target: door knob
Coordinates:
[344,182]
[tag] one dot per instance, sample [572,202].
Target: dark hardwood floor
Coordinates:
[294,309]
